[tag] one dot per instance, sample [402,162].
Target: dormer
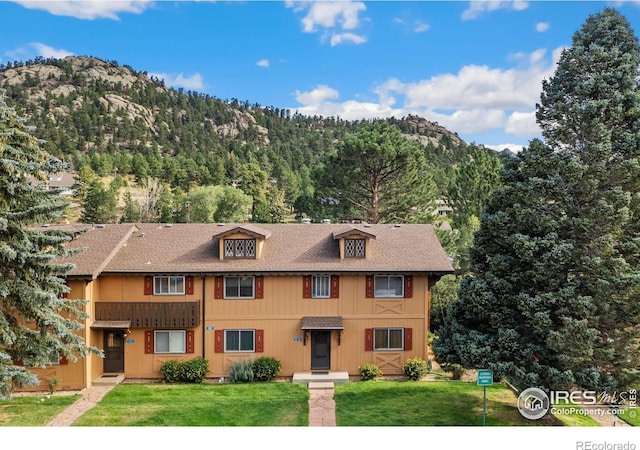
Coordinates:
[242,242]
[353,242]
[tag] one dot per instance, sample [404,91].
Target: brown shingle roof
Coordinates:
[100,244]
[191,248]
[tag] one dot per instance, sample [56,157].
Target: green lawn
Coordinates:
[253,404]
[433,403]
[32,411]
[630,415]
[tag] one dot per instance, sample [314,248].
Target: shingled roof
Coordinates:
[290,248]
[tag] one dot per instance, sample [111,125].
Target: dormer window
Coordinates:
[354,248]
[239,248]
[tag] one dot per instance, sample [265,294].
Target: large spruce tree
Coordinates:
[37,325]
[554,298]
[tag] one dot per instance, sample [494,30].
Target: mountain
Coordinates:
[116,120]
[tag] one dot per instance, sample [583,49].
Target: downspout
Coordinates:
[204,339]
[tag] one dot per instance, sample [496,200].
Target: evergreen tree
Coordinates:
[381,173]
[554,296]
[37,325]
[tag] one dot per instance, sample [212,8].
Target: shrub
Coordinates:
[456,370]
[194,370]
[241,372]
[266,368]
[415,368]
[171,370]
[369,371]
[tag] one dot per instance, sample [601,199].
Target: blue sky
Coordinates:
[474,67]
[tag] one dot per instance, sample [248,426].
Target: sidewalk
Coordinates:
[88,400]
[322,406]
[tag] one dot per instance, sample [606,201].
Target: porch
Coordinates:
[320,377]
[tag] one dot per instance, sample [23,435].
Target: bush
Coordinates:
[456,370]
[415,368]
[369,371]
[194,371]
[266,368]
[241,372]
[171,370]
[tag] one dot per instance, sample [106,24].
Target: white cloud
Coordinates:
[541,27]
[192,82]
[36,49]
[318,95]
[50,52]
[337,39]
[332,16]
[476,99]
[263,63]
[88,10]
[420,27]
[477,8]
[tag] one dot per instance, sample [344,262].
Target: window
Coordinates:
[388,338]
[238,287]
[354,248]
[170,341]
[168,285]
[239,340]
[389,286]
[321,286]
[239,248]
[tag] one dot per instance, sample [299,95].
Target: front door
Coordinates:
[320,349]
[114,351]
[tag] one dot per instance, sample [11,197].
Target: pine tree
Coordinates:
[37,325]
[554,297]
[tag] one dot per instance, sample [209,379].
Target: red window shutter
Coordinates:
[218,290]
[306,286]
[259,341]
[335,286]
[408,338]
[148,285]
[191,341]
[408,286]
[370,284]
[188,281]
[63,360]
[368,339]
[148,341]
[259,286]
[219,341]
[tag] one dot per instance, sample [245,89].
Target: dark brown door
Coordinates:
[114,351]
[320,349]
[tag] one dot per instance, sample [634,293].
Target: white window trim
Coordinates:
[184,341]
[375,278]
[313,286]
[253,287]
[239,330]
[388,329]
[169,277]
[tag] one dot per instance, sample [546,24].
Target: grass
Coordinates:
[433,403]
[573,418]
[630,415]
[32,411]
[251,404]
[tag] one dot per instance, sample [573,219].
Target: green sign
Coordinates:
[485,377]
